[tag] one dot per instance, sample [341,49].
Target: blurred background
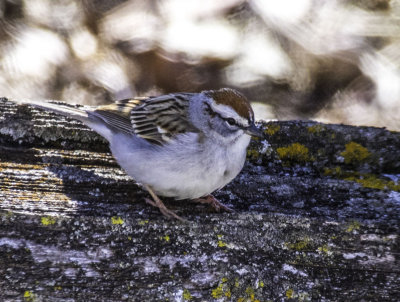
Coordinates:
[328,60]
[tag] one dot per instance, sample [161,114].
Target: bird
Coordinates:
[183,145]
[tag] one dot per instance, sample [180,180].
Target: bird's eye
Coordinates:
[231,121]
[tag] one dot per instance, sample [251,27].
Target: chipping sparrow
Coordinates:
[181,145]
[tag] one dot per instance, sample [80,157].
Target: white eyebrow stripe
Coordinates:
[228,112]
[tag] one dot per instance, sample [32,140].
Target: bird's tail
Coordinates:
[68,111]
[83,115]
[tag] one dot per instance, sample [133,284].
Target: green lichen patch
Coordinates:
[166,238]
[228,289]
[143,222]
[325,249]
[335,171]
[299,245]
[221,290]
[252,153]
[373,182]
[316,129]
[297,296]
[295,152]
[29,296]
[117,220]
[271,129]
[355,153]
[289,293]
[353,226]
[220,242]
[186,295]
[48,220]
[367,180]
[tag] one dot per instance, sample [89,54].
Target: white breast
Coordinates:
[181,169]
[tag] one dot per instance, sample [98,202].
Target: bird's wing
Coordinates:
[156,119]
[117,115]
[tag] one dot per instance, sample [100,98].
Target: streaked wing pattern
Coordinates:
[117,115]
[156,119]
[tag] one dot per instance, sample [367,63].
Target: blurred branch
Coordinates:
[300,58]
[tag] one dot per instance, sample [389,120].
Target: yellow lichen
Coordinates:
[355,153]
[224,290]
[299,245]
[253,154]
[221,243]
[250,292]
[166,238]
[272,129]
[48,220]
[217,292]
[353,226]
[221,290]
[28,296]
[143,222]
[324,249]
[336,171]
[290,293]
[117,220]
[186,295]
[295,152]
[315,129]
[373,182]
[365,179]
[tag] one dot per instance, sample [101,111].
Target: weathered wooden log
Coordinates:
[316,217]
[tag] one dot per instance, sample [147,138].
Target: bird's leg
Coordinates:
[210,199]
[156,202]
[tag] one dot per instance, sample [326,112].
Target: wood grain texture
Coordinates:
[316,219]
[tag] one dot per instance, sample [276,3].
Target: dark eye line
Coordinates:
[229,120]
[209,110]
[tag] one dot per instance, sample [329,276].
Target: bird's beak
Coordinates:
[254,131]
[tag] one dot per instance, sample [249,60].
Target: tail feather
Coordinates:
[82,115]
[64,110]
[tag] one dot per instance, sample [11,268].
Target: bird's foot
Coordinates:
[156,202]
[215,203]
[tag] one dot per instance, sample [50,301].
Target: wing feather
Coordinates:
[166,115]
[117,115]
[156,119]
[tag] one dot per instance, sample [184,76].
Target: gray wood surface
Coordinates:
[317,218]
